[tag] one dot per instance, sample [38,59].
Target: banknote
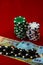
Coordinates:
[21,47]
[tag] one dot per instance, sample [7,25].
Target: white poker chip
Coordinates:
[33,34]
[34,25]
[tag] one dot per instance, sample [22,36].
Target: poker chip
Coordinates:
[15,52]
[33,32]
[23,52]
[33,54]
[19,19]
[20,27]
[34,25]
[27,55]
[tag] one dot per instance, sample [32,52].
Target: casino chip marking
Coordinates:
[15,55]
[20,50]
[23,21]
[4,49]
[6,53]
[31,57]
[11,51]
[23,56]
[19,53]
[26,54]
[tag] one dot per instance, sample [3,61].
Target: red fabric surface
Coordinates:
[31,9]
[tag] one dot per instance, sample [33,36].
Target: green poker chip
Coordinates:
[19,20]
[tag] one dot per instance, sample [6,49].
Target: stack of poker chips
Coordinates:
[15,52]
[33,31]
[20,27]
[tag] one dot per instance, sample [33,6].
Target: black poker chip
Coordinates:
[15,52]
[23,52]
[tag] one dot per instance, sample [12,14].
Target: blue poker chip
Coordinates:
[25,45]
[40,50]
[38,60]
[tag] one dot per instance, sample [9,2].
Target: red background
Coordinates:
[31,9]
